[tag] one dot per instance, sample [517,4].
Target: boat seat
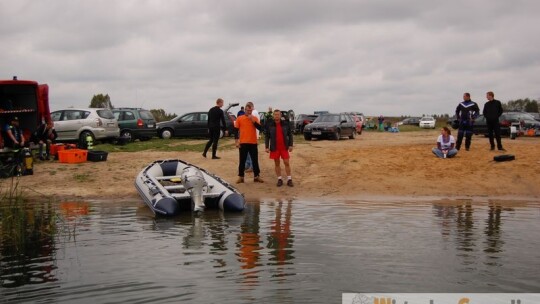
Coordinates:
[174,187]
[173,177]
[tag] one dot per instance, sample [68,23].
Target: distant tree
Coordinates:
[521,105]
[160,115]
[532,107]
[101,101]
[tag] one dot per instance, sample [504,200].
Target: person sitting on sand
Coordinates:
[445,144]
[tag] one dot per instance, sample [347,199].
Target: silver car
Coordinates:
[77,124]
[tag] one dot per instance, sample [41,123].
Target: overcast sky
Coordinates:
[385,57]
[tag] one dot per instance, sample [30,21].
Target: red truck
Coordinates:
[27,100]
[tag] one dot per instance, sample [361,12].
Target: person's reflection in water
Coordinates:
[249,243]
[446,213]
[493,231]
[280,239]
[465,228]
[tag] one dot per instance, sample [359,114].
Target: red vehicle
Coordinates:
[359,121]
[27,100]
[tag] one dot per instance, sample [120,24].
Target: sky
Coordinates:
[389,57]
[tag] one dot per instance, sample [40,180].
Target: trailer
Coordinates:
[28,101]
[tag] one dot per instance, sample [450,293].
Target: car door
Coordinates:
[69,124]
[185,125]
[200,127]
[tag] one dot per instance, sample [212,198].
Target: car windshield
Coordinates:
[327,118]
[427,119]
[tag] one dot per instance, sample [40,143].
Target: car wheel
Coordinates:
[82,138]
[128,134]
[353,135]
[166,134]
[337,135]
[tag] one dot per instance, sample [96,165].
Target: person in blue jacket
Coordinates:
[466,112]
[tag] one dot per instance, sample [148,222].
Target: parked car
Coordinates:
[77,124]
[536,116]
[410,121]
[507,119]
[332,126]
[358,120]
[194,124]
[302,120]
[135,123]
[427,122]
[285,115]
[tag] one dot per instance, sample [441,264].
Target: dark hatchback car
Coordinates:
[194,124]
[135,123]
[332,126]
[507,119]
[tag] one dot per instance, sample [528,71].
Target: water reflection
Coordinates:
[27,244]
[457,220]
[274,250]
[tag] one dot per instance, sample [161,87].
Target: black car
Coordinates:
[332,126]
[411,121]
[135,123]
[285,115]
[302,120]
[507,119]
[194,124]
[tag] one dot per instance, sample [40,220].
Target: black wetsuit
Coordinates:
[215,118]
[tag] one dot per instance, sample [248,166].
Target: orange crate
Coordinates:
[56,147]
[72,156]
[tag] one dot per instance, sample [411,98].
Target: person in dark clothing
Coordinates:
[44,136]
[492,111]
[13,136]
[466,112]
[278,142]
[216,117]
[241,112]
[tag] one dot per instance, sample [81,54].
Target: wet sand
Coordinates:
[373,165]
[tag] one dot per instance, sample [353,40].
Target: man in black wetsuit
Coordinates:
[216,117]
[466,112]
[492,111]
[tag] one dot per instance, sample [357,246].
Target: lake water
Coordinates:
[274,252]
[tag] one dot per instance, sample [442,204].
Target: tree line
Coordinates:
[104,101]
[518,105]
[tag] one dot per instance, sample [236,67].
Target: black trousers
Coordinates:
[213,141]
[253,151]
[467,131]
[494,127]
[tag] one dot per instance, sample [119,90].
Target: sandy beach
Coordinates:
[372,165]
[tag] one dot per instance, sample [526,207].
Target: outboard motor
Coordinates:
[194,182]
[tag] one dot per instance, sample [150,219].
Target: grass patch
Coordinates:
[83,177]
[178,145]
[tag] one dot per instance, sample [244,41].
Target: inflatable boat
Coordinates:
[172,186]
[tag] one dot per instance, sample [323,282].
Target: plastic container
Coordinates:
[97,156]
[72,156]
[57,147]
